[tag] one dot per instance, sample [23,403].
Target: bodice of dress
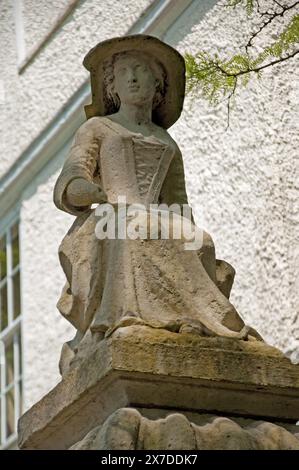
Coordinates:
[134,167]
[124,163]
[147,155]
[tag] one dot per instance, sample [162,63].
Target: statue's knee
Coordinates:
[208,241]
[207,255]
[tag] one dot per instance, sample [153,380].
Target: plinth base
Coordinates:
[157,372]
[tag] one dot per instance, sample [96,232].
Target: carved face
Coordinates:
[134,81]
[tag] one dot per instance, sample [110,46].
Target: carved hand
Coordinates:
[84,193]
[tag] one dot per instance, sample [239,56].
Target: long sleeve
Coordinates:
[80,163]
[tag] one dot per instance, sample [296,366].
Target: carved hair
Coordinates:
[155,66]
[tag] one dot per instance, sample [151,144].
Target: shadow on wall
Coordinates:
[192,16]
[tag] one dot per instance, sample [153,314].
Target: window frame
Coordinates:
[12,333]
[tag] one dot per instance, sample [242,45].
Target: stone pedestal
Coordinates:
[153,389]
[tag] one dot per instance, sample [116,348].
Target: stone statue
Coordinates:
[124,149]
[160,355]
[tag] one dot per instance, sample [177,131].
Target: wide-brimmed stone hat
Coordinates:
[169,109]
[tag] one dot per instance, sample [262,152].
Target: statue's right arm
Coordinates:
[76,189]
[82,193]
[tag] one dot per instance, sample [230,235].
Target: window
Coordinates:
[10,335]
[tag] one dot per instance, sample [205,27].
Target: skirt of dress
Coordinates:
[155,282]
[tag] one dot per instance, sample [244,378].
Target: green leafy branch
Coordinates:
[218,78]
[249,5]
[269,16]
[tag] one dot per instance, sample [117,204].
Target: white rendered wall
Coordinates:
[44,329]
[38,17]
[243,183]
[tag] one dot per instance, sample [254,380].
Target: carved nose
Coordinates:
[131,77]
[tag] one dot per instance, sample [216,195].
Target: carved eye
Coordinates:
[142,67]
[121,69]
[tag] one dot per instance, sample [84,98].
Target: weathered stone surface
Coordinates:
[163,273]
[128,429]
[142,367]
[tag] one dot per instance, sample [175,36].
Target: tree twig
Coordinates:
[272,16]
[228,103]
[256,69]
[277,3]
